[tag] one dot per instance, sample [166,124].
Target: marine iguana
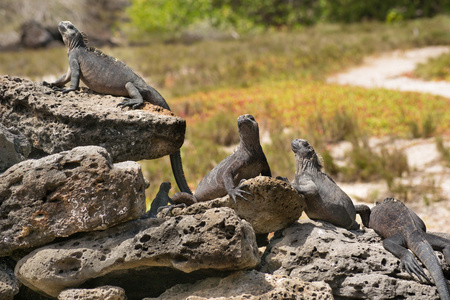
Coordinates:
[324,198]
[401,228]
[247,161]
[162,199]
[107,75]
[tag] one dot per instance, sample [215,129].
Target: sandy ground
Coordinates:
[430,175]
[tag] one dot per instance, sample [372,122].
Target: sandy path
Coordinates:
[387,71]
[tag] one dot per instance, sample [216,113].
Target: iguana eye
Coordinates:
[70,27]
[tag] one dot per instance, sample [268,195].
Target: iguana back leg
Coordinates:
[440,244]
[135,99]
[395,245]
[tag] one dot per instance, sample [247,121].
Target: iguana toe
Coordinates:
[130,103]
[238,192]
[410,264]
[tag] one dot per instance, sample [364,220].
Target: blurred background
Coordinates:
[214,60]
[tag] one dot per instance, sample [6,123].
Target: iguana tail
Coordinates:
[177,169]
[422,249]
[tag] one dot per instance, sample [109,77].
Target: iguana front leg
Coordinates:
[73,74]
[136,97]
[306,186]
[228,182]
[61,81]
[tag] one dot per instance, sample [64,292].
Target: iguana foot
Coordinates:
[170,208]
[62,90]
[283,179]
[410,264]
[238,192]
[133,104]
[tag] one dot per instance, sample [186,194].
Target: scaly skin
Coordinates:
[107,75]
[401,230]
[247,161]
[324,198]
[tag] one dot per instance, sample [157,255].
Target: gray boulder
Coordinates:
[14,147]
[272,205]
[34,35]
[102,292]
[55,122]
[9,285]
[61,194]
[251,285]
[216,239]
[353,263]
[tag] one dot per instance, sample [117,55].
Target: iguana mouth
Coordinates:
[61,28]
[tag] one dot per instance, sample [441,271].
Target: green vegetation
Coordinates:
[321,113]
[150,16]
[435,68]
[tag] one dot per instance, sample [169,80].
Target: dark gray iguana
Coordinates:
[161,200]
[401,230]
[247,161]
[107,75]
[324,198]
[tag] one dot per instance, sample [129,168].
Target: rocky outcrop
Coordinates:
[272,205]
[14,147]
[216,239]
[103,292]
[203,251]
[53,122]
[61,194]
[353,263]
[249,285]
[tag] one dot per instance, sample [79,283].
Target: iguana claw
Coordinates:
[238,192]
[131,104]
[410,264]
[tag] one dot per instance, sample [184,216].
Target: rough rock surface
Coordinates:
[61,194]
[273,205]
[249,285]
[353,263]
[14,147]
[9,285]
[55,122]
[216,239]
[103,292]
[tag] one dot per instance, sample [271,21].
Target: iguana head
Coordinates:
[72,37]
[248,131]
[165,186]
[304,152]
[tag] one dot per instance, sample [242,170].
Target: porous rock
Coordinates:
[216,239]
[272,205]
[353,263]
[61,194]
[55,122]
[14,147]
[9,285]
[249,285]
[103,292]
